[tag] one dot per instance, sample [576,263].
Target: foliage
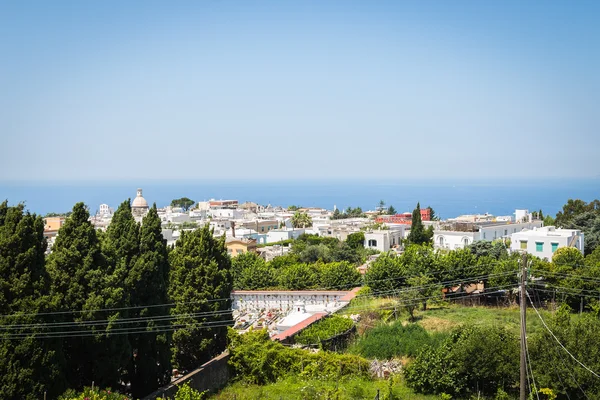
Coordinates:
[301,220]
[256,359]
[200,282]
[483,248]
[391,210]
[298,276]
[81,281]
[577,214]
[432,214]
[471,359]
[185,392]
[147,285]
[294,208]
[356,240]
[296,388]
[324,329]
[417,233]
[93,394]
[554,368]
[251,272]
[338,276]
[183,202]
[348,213]
[387,341]
[29,366]
[385,274]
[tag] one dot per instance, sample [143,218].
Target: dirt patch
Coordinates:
[437,324]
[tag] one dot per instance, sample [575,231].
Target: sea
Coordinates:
[448,197]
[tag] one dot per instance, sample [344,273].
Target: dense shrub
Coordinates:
[395,340]
[255,358]
[324,329]
[472,359]
[93,394]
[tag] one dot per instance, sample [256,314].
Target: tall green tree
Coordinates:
[200,284]
[417,234]
[391,210]
[120,247]
[80,286]
[147,283]
[29,366]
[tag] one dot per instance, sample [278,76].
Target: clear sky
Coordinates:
[94,90]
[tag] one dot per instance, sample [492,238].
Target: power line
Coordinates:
[558,341]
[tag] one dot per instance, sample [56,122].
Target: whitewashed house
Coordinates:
[543,242]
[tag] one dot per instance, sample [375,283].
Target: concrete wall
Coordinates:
[211,376]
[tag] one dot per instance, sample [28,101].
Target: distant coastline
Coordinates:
[449,197]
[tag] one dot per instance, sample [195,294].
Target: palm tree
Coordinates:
[301,220]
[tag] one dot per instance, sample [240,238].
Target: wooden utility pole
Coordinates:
[522,288]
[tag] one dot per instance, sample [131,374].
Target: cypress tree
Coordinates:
[80,286]
[29,366]
[200,277]
[120,246]
[417,232]
[150,362]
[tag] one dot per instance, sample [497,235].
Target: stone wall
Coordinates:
[211,376]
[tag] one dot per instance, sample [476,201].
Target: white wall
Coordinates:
[539,241]
[452,239]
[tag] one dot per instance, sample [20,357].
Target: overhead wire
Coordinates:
[558,341]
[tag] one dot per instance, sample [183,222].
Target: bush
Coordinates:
[395,340]
[471,359]
[93,394]
[325,329]
[255,358]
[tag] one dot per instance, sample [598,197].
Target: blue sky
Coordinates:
[285,89]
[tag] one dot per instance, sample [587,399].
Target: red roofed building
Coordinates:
[405,218]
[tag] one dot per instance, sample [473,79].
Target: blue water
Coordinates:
[449,198]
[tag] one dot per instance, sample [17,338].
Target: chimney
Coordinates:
[233,228]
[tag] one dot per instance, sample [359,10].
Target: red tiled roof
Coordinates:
[298,327]
[350,295]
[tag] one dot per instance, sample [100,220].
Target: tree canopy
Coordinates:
[183,202]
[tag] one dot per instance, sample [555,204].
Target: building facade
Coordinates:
[543,242]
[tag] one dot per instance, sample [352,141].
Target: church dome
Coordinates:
[139,201]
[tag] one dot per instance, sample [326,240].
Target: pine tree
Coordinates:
[29,366]
[150,363]
[417,233]
[80,286]
[200,283]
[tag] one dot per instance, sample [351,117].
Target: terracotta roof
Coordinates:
[350,295]
[298,327]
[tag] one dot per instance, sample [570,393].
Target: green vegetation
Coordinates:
[349,213]
[97,308]
[344,388]
[325,329]
[471,360]
[200,274]
[418,234]
[398,339]
[183,202]
[577,214]
[301,220]
[256,359]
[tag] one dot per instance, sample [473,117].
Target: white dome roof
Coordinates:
[139,201]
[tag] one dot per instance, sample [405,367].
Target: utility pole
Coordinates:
[522,288]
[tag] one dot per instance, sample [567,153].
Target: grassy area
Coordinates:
[294,388]
[447,317]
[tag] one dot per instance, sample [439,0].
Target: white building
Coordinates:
[105,210]
[383,240]
[277,235]
[543,242]
[459,235]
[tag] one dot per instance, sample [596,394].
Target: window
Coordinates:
[554,246]
[262,228]
[372,243]
[539,246]
[523,244]
[505,232]
[466,241]
[441,241]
